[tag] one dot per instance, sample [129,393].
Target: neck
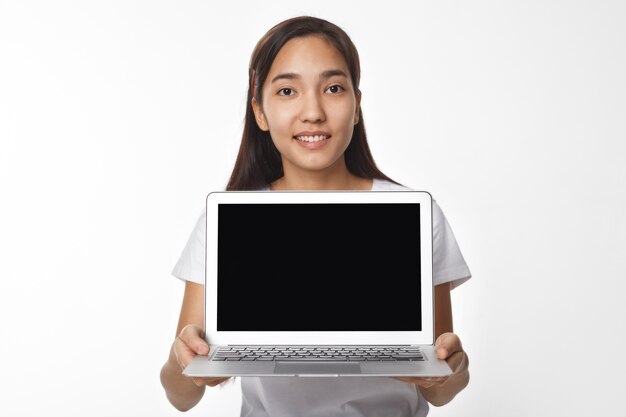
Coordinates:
[336,177]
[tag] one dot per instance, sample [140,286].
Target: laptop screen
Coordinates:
[319,267]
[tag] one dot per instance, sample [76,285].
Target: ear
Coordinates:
[357,111]
[259,116]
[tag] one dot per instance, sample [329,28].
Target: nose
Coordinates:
[312,109]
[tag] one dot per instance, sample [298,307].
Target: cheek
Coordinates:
[279,129]
[346,120]
[344,111]
[279,121]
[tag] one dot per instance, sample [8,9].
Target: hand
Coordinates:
[448,347]
[188,344]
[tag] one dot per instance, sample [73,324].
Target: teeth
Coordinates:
[311,138]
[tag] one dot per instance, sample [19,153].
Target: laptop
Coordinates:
[319,283]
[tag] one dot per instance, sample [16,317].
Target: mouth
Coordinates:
[312,139]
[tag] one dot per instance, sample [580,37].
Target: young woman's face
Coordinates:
[309,105]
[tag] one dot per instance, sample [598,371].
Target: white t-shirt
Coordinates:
[347,396]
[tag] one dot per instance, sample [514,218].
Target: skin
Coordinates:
[307,103]
[310,103]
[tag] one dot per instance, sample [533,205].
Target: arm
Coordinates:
[440,391]
[181,391]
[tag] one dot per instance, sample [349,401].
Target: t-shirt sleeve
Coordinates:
[190,265]
[448,262]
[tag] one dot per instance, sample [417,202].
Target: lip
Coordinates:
[312,145]
[312,133]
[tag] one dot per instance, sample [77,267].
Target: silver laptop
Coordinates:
[319,283]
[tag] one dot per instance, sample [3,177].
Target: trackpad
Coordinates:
[317,368]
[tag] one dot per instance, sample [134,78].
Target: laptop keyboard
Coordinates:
[318,353]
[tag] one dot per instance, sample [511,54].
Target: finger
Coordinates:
[183,353]
[212,382]
[193,337]
[417,381]
[447,344]
[189,344]
[423,382]
[458,362]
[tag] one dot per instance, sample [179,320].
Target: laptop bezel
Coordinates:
[214,337]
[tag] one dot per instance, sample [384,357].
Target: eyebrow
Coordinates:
[324,75]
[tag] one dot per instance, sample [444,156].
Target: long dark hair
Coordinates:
[258,162]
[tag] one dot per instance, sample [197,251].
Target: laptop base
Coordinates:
[201,366]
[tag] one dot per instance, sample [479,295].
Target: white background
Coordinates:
[118,117]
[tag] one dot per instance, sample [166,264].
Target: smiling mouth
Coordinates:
[311,139]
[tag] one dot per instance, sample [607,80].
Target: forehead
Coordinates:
[308,54]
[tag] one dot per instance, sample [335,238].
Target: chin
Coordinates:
[311,160]
[314,165]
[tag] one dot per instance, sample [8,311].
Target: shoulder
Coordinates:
[384,185]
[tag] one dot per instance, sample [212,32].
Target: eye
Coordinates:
[288,90]
[336,86]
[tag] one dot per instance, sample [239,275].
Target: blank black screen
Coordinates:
[319,267]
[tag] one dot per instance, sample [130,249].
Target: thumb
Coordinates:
[193,337]
[447,344]
[203,348]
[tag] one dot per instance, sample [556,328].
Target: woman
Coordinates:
[304,130]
